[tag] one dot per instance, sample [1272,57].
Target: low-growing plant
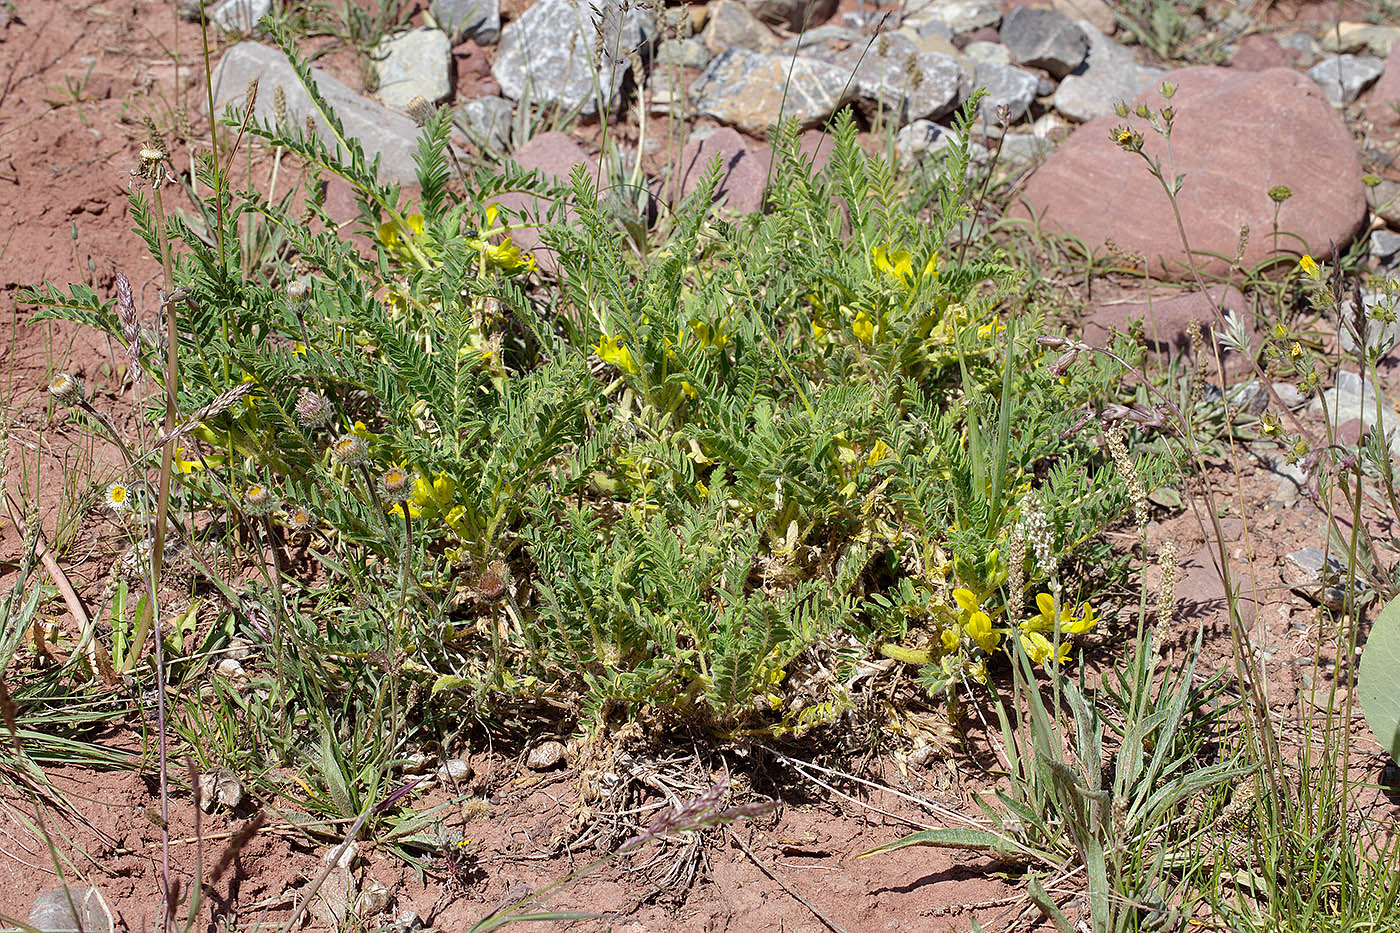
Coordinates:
[683,475]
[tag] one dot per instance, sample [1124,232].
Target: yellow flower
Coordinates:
[507,257]
[612,351]
[979,629]
[877,453]
[1310,267]
[899,265]
[966,600]
[1045,622]
[688,390]
[864,327]
[1124,136]
[949,637]
[707,335]
[118,497]
[1085,622]
[989,330]
[392,235]
[181,464]
[1296,350]
[1041,649]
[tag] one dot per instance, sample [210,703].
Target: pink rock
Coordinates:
[555,155]
[1237,134]
[1257,52]
[744,166]
[1166,322]
[1384,95]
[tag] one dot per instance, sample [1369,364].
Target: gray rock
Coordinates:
[810,41]
[486,121]
[1021,149]
[1303,45]
[1384,244]
[993,53]
[794,14]
[666,94]
[413,64]
[1005,84]
[958,16]
[921,139]
[478,20]
[548,53]
[1384,201]
[1318,575]
[1360,37]
[1379,304]
[893,76]
[54,910]
[240,17]
[1044,39]
[732,26]
[382,132]
[1352,399]
[1292,481]
[1343,77]
[751,91]
[1109,74]
[683,53]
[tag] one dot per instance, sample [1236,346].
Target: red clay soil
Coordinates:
[65,173]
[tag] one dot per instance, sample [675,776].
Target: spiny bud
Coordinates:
[395,484]
[350,450]
[297,289]
[66,389]
[494,582]
[258,500]
[312,410]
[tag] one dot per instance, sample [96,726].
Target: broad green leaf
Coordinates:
[450,682]
[1378,684]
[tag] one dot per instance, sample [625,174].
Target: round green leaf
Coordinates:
[1378,683]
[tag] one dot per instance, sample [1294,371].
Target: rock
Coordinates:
[240,17]
[1005,84]
[1343,77]
[957,16]
[793,14]
[373,899]
[1022,149]
[548,53]
[751,91]
[455,770]
[666,94]
[1236,134]
[413,64]
[382,132]
[1109,74]
[1052,126]
[932,41]
[546,755]
[1166,322]
[683,53]
[1301,46]
[478,20]
[1292,482]
[883,79]
[1352,399]
[993,53]
[732,26]
[1257,52]
[55,910]
[219,788]
[232,671]
[1379,304]
[1044,39]
[1200,592]
[1383,99]
[744,171]
[1384,201]
[922,138]
[1309,570]
[486,121]
[554,155]
[1357,38]
[1384,244]
[1099,14]
[830,39]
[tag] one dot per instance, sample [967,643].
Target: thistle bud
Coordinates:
[312,410]
[66,389]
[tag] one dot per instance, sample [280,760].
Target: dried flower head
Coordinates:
[1118,449]
[117,498]
[1280,193]
[299,518]
[297,289]
[312,410]
[1166,588]
[66,389]
[258,500]
[421,111]
[350,450]
[395,484]
[494,582]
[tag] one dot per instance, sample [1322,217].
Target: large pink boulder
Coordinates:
[1237,134]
